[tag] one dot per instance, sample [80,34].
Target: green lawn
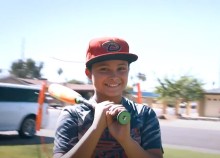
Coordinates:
[45,151]
[180,153]
[26,151]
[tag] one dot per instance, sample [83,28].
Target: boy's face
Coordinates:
[109,77]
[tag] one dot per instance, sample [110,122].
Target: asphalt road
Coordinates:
[192,134]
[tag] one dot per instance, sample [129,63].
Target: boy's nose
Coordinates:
[114,80]
[113,74]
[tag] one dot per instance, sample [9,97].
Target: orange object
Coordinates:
[41,98]
[139,96]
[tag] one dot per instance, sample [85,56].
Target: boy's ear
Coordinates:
[88,73]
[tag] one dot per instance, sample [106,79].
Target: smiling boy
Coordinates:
[84,132]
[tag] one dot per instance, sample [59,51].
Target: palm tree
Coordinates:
[60,71]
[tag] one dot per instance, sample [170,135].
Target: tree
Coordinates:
[26,69]
[166,92]
[60,71]
[185,89]
[141,76]
[190,89]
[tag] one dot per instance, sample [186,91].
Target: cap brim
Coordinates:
[113,56]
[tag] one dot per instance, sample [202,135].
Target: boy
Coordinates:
[85,132]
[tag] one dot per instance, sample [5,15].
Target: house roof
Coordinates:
[77,87]
[11,79]
[80,87]
[213,91]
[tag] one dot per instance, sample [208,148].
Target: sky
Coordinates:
[171,37]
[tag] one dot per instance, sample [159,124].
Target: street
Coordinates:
[191,134]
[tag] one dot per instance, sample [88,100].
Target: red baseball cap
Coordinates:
[108,48]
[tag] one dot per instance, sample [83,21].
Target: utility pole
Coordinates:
[23,49]
[219,76]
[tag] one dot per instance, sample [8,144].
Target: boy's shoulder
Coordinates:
[77,108]
[139,110]
[125,99]
[130,103]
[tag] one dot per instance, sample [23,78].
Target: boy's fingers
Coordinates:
[115,111]
[104,103]
[117,107]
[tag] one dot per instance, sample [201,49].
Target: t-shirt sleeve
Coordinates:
[151,133]
[66,135]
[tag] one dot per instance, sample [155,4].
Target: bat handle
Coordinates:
[84,101]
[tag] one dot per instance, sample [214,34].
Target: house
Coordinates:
[210,106]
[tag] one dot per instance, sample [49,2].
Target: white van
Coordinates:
[19,107]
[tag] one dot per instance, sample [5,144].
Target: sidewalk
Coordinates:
[191,122]
[170,114]
[187,117]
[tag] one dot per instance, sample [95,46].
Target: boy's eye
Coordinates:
[122,68]
[103,69]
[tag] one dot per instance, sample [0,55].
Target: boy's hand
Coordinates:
[100,114]
[118,131]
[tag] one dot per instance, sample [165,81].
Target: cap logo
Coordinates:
[111,46]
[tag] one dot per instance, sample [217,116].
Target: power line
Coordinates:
[70,61]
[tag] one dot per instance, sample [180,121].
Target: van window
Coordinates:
[18,94]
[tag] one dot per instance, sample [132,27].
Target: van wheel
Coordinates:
[27,129]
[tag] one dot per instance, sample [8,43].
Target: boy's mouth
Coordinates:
[112,85]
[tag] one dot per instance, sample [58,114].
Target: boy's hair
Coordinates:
[108,48]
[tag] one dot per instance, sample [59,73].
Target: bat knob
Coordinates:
[124,117]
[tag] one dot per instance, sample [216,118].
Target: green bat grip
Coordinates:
[124,117]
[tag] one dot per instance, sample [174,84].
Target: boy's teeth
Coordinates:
[112,85]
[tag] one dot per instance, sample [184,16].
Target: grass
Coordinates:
[45,151]
[180,153]
[27,151]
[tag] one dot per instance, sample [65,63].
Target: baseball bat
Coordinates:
[70,96]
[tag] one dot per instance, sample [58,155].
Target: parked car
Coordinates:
[19,107]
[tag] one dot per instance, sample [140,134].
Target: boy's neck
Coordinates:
[116,100]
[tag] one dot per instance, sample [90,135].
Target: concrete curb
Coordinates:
[186,117]
[199,118]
